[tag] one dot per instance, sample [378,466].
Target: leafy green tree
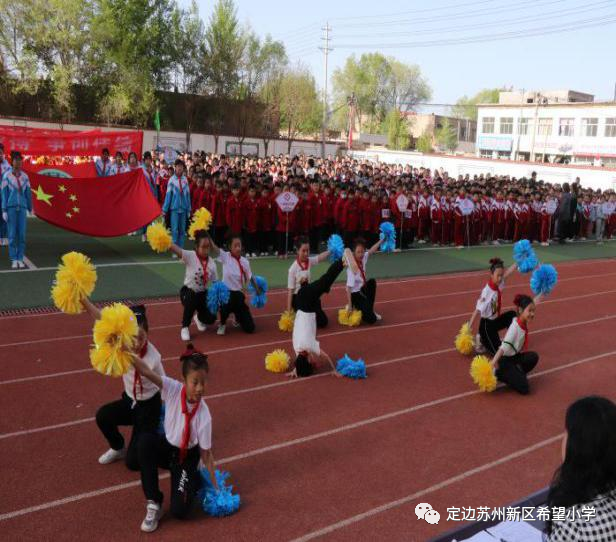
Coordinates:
[398,137]
[424,143]
[465,107]
[446,136]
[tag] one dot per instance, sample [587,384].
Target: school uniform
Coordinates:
[307,304]
[423,218]
[177,204]
[267,212]
[117,169]
[460,222]
[351,220]
[16,199]
[339,215]
[492,321]
[4,167]
[487,219]
[299,273]
[251,224]
[436,218]
[103,167]
[236,274]
[233,215]
[317,219]
[188,430]
[515,364]
[139,407]
[509,219]
[194,291]
[219,214]
[365,218]
[498,219]
[363,292]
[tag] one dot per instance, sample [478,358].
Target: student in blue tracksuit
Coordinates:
[151,175]
[16,203]
[103,164]
[177,204]
[4,167]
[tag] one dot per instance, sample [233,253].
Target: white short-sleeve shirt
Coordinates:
[200,424]
[231,274]
[513,343]
[146,390]
[193,275]
[297,275]
[355,280]
[487,304]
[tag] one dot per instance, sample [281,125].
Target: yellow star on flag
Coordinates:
[41,196]
[75,209]
[62,188]
[73,197]
[69,215]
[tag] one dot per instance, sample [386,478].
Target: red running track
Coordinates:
[321,458]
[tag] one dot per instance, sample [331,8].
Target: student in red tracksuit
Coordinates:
[365,215]
[535,218]
[267,213]
[476,221]
[351,217]
[411,222]
[447,227]
[250,211]
[219,213]
[521,212]
[339,206]
[196,193]
[423,217]
[317,219]
[207,199]
[460,221]
[305,213]
[375,218]
[436,217]
[487,219]
[233,213]
[498,218]
[546,222]
[586,224]
[510,217]
[327,212]
[385,214]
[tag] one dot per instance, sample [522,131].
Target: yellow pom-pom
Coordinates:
[349,318]
[202,219]
[343,317]
[482,373]
[75,279]
[287,320]
[464,341]
[110,361]
[158,237]
[277,361]
[355,318]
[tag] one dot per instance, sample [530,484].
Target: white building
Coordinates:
[550,126]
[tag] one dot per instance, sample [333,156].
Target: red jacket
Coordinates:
[267,213]
[233,214]
[219,212]
[250,209]
[207,200]
[339,212]
[365,214]
[351,215]
[196,194]
[317,202]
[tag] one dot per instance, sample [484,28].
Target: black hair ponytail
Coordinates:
[496,263]
[142,319]
[521,301]
[193,360]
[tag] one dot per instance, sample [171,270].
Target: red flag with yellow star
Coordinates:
[98,206]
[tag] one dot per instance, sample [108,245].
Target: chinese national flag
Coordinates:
[100,207]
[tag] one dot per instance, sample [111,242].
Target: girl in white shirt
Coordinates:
[361,293]
[299,273]
[488,308]
[512,362]
[236,275]
[187,439]
[200,270]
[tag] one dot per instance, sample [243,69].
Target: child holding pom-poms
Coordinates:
[488,308]
[512,362]
[361,293]
[305,344]
[186,441]
[299,273]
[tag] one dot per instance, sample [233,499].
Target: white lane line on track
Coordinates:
[294,442]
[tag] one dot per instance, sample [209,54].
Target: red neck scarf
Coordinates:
[239,264]
[303,266]
[188,416]
[137,379]
[360,266]
[525,329]
[500,296]
[180,185]
[203,263]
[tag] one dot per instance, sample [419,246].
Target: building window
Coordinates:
[523,126]
[504,155]
[506,125]
[610,127]
[488,125]
[590,127]
[544,127]
[485,153]
[566,127]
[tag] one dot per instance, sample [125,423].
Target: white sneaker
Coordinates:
[221,330]
[21,264]
[143,238]
[14,265]
[200,325]
[479,348]
[378,317]
[185,334]
[111,455]
[152,517]
[174,256]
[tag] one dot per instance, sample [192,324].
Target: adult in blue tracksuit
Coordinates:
[4,167]
[16,203]
[177,203]
[151,175]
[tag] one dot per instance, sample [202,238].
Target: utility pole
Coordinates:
[326,50]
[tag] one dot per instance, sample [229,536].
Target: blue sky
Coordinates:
[581,59]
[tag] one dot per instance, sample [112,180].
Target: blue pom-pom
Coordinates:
[258,300]
[335,245]
[217,296]
[351,368]
[544,279]
[525,256]
[388,236]
[221,502]
[161,421]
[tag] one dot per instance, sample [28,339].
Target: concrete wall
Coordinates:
[602,178]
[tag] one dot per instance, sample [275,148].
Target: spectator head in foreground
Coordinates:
[587,475]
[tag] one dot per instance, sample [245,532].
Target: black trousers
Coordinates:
[237,306]
[322,319]
[364,301]
[185,477]
[315,239]
[195,302]
[144,418]
[265,241]
[488,330]
[219,235]
[512,370]
[307,299]
[282,246]
[251,242]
